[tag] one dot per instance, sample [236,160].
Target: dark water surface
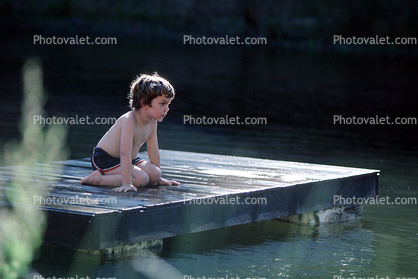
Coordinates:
[299,94]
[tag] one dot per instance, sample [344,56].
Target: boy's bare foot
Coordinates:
[92,179]
[166,182]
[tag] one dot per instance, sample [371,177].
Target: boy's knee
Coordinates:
[154,175]
[142,180]
[145,180]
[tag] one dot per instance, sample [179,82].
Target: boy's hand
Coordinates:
[167,182]
[125,188]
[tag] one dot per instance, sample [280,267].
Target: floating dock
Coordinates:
[216,191]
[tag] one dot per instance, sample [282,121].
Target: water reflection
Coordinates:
[270,249]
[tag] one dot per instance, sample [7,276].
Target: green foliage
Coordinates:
[22,222]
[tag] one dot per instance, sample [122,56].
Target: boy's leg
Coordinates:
[153,172]
[114,178]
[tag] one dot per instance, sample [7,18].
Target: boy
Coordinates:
[114,159]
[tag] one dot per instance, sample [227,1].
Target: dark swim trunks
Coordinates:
[103,162]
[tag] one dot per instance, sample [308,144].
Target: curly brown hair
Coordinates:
[146,88]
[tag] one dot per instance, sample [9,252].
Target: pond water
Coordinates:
[299,94]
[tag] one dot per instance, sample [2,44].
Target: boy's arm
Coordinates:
[152,147]
[154,155]
[126,137]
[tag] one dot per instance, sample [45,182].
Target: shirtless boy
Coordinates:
[114,159]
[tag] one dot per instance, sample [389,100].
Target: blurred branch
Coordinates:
[22,221]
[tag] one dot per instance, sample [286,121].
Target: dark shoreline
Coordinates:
[305,26]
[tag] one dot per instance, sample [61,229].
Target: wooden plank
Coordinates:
[107,219]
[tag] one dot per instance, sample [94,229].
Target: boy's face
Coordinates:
[159,108]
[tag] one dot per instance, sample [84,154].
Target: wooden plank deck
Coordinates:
[215,191]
